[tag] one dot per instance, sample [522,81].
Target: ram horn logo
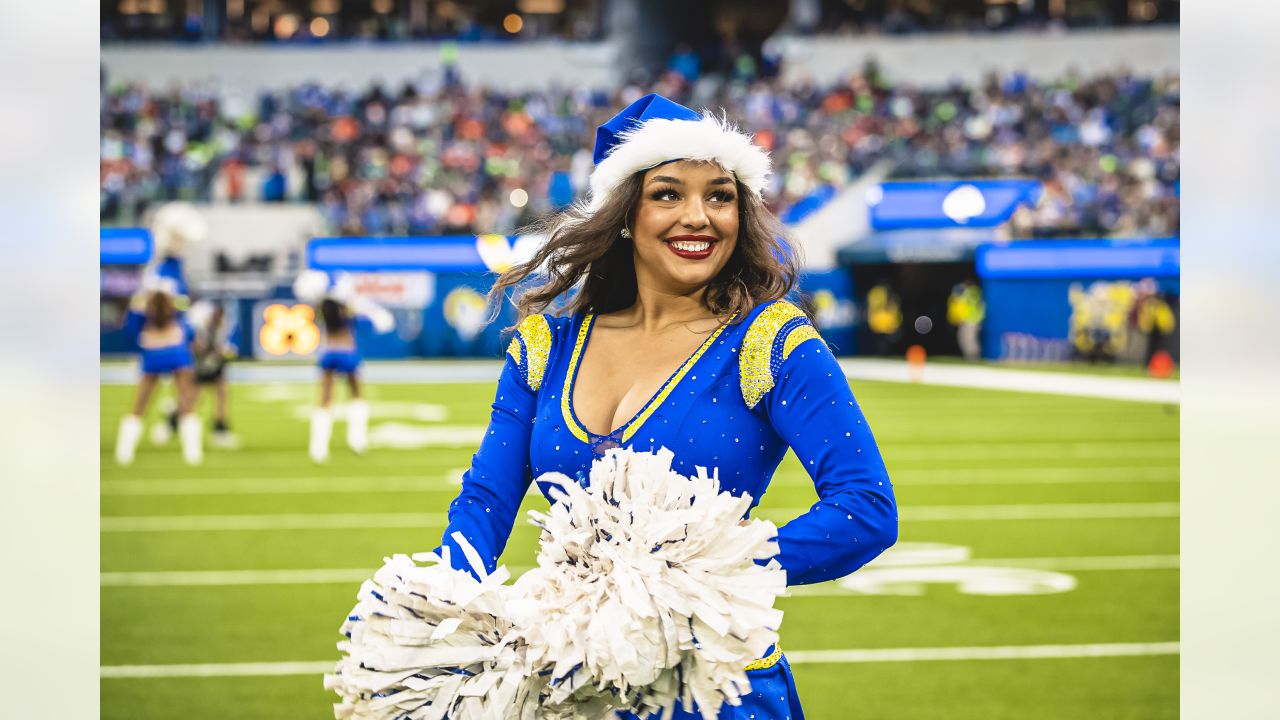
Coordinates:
[466,311]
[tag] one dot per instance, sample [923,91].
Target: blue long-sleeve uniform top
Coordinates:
[753,389]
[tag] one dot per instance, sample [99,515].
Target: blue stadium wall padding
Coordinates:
[1026,284]
[455,322]
[834,309]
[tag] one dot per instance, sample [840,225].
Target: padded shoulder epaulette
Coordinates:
[774,333]
[530,348]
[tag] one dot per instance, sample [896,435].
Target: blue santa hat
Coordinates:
[654,130]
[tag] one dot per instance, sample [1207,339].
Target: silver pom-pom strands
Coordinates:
[650,588]
[650,592]
[427,642]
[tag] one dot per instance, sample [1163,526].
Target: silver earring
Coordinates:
[626,233]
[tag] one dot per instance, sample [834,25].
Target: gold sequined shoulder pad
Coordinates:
[774,333]
[530,348]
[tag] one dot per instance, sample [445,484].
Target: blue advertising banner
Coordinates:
[124,246]
[1159,257]
[911,205]
[447,253]
[437,290]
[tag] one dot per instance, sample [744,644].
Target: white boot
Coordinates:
[192,437]
[358,426]
[321,429]
[127,439]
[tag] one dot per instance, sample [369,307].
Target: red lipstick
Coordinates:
[691,247]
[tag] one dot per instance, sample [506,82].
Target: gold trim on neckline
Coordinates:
[634,424]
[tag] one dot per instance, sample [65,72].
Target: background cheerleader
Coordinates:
[213,347]
[340,312]
[163,336]
[156,325]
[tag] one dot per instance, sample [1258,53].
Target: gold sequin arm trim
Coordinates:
[536,334]
[755,359]
[514,350]
[767,661]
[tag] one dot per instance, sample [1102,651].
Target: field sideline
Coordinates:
[1036,575]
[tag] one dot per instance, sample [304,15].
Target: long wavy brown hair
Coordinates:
[586,250]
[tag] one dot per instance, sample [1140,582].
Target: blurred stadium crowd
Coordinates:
[320,21]
[444,157]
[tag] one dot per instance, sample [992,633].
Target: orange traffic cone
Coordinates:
[915,363]
[1161,365]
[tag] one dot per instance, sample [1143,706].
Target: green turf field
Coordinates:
[1064,508]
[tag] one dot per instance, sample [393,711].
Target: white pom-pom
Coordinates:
[429,642]
[176,226]
[200,313]
[310,286]
[343,289]
[155,282]
[647,593]
[649,588]
[382,319]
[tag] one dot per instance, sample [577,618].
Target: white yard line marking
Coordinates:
[448,482]
[204,523]
[1084,511]
[218,670]
[327,521]
[401,373]
[1090,562]
[1007,652]
[1011,475]
[990,378]
[487,371]
[947,513]
[323,576]
[1100,563]
[334,576]
[257,486]
[1055,451]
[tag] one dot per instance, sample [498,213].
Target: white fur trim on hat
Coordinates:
[661,140]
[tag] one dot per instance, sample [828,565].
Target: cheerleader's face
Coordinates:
[685,226]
